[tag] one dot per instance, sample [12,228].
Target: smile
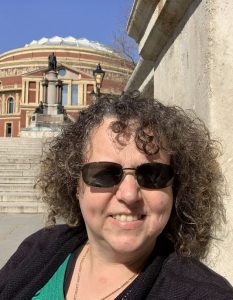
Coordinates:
[127,218]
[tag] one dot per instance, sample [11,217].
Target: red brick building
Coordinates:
[22,71]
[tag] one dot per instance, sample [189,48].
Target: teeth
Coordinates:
[127,218]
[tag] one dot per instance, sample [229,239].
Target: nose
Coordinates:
[128,190]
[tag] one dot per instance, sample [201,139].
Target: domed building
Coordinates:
[22,71]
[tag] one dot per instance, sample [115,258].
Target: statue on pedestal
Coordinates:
[52,62]
[39,109]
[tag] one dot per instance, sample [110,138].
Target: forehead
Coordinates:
[103,137]
[105,140]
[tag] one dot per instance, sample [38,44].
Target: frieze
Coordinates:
[20,71]
[16,71]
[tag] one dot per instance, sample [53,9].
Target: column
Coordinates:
[1,108]
[17,103]
[41,95]
[69,94]
[23,91]
[26,91]
[3,104]
[82,88]
[44,85]
[37,91]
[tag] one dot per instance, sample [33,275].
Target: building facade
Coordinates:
[186,59]
[22,71]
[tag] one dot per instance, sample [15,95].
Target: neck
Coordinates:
[105,258]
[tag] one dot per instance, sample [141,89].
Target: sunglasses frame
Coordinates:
[165,170]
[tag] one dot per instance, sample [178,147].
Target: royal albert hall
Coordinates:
[22,71]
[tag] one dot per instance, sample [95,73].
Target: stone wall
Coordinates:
[196,72]
[192,66]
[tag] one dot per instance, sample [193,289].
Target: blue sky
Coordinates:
[22,21]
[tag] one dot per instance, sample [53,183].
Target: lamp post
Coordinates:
[98,74]
[93,96]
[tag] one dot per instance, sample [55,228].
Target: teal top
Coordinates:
[53,289]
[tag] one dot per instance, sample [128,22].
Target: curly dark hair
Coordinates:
[198,186]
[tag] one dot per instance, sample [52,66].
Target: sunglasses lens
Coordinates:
[102,174]
[154,175]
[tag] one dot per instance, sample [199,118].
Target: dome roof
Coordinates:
[70,41]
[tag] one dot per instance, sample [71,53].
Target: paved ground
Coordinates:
[14,228]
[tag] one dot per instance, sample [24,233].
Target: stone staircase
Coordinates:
[19,165]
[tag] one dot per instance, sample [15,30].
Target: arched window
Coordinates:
[10,105]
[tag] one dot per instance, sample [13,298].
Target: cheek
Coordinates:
[161,211]
[162,202]
[92,201]
[82,192]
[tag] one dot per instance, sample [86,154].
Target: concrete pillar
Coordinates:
[17,103]
[52,78]
[26,91]
[187,56]
[69,94]
[3,104]
[82,94]
[23,92]
[41,90]
[37,91]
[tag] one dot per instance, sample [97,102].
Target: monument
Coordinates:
[50,114]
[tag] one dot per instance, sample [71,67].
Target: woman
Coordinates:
[140,189]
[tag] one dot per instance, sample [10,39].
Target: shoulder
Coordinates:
[44,242]
[50,233]
[191,278]
[48,236]
[36,259]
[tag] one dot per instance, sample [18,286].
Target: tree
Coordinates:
[125,46]
[122,43]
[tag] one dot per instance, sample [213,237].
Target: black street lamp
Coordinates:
[98,74]
[93,96]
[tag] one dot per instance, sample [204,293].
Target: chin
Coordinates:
[130,245]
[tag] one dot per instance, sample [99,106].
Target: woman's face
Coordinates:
[125,219]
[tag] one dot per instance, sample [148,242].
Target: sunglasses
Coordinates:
[108,174]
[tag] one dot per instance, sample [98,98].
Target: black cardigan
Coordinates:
[166,275]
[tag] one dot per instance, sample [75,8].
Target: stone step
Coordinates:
[20,147]
[20,142]
[24,165]
[12,144]
[8,187]
[24,158]
[17,180]
[22,207]
[23,153]
[18,166]
[19,172]
[25,192]
[18,160]
[23,196]
[21,139]
[20,150]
